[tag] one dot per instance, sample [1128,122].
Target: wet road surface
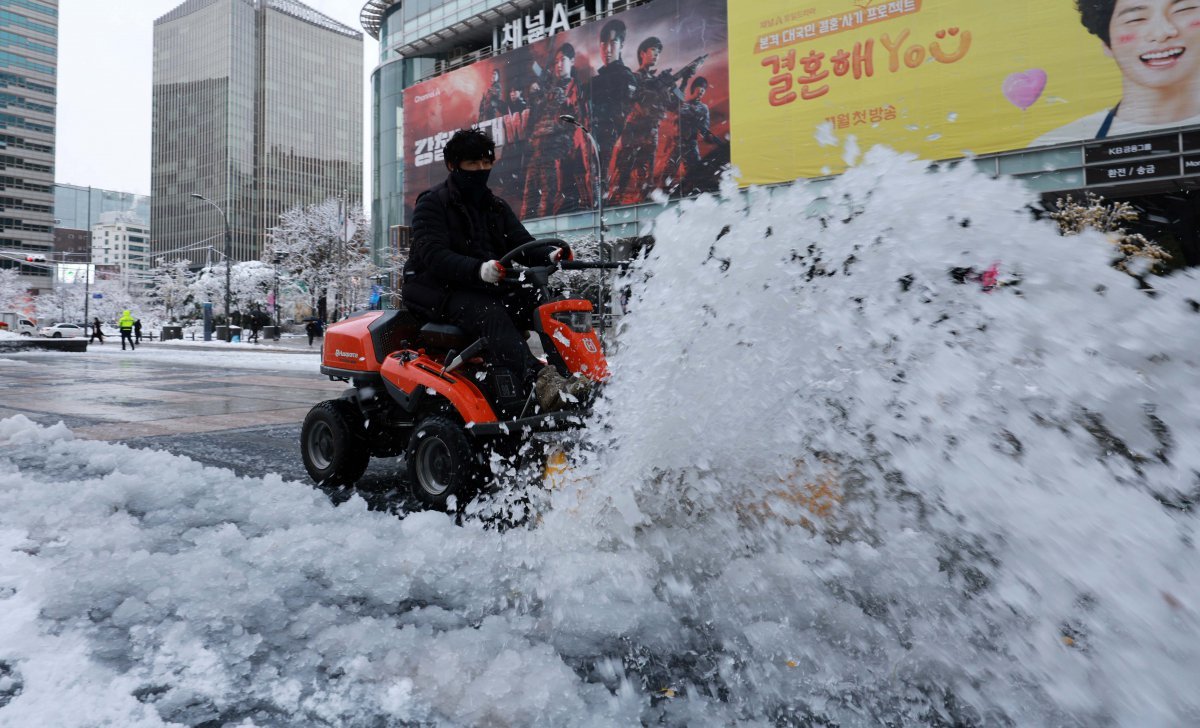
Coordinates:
[244,419]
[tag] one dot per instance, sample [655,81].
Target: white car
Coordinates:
[62,331]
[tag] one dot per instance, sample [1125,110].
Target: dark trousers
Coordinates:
[96,335]
[126,335]
[500,317]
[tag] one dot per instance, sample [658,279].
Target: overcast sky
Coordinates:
[105,67]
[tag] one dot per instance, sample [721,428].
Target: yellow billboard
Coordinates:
[949,78]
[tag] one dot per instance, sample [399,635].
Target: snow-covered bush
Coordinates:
[1092,213]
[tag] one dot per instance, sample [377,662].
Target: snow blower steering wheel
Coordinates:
[536,275]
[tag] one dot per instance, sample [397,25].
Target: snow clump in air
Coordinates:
[901,452]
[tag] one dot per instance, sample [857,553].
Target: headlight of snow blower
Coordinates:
[578,321]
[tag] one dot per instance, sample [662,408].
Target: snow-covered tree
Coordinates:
[250,283]
[170,290]
[64,303]
[114,298]
[13,294]
[324,249]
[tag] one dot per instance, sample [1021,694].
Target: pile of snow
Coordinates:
[837,479]
[215,598]
[264,344]
[215,355]
[1010,471]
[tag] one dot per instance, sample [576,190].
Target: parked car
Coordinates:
[63,331]
[16,323]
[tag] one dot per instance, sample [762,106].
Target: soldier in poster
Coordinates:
[492,104]
[695,173]
[612,92]
[548,167]
[510,169]
[516,101]
[555,180]
[633,158]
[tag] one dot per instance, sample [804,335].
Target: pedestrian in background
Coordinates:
[125,324]
[137,330]
[96,332]
[255,325]
[311,329]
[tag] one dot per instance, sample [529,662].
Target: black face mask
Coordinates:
[472,185]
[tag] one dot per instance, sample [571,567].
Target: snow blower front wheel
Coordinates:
[441,462]
[333,445]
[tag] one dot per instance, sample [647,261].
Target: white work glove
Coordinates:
[491,272]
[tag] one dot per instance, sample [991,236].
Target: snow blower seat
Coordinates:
[445,336]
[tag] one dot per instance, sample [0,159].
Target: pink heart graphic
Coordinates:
[1023,89]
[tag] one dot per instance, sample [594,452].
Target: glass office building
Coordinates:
[258,108]
[79,208]
[28,88]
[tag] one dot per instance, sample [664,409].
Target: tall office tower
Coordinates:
[28,73]
[257,108]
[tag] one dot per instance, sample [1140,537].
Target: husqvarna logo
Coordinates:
[589,345]
[344,354]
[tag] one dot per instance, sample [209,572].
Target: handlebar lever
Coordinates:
[455,361]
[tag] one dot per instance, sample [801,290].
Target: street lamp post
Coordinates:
[87,273]
[275,260]
[568,119]
[87,279]
[228,264]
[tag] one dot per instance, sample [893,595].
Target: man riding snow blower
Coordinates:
[449,383]
[460,231]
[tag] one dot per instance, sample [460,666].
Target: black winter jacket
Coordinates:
[451,241]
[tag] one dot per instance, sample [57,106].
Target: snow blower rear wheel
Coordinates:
[441,463]
[333,444]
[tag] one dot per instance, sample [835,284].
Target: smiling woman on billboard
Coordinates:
[1156,46]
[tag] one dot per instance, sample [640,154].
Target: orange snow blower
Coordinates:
[421,390]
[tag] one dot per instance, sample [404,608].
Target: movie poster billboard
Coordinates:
[948,78]
[650,83]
